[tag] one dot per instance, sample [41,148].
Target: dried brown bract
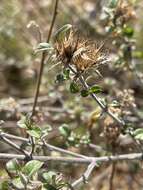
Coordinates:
[79,52]
[124,12]
[111,129]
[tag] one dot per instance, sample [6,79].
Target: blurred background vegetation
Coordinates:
[19,69]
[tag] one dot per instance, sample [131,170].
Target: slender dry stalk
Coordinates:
[13,145]
[102,106]
[44,54]
[112,176]
[84,178]
[47,145]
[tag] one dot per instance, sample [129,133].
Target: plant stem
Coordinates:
[132,156]
[54,148]
[44,54]
[84,178]
[102,106]
[13,145]
[112,176]
[47,145]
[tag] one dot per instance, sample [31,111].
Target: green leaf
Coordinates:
[139,136]
[46,128]
[60,33]
[35,132]
[95,89]
[60,78]
[64,130]
[17,183]
[50,187]
[4,185]
[66,73]
[128,31]
[32,167]
[138,54]
[49,177]
[74,87]
[22,122]
[113,3]
[138,131]
[84,93]
[13,166]
[43,47]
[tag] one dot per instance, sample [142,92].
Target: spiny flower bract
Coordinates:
[79,52]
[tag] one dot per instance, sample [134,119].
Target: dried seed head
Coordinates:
[111,129]
[77,51]
[124,11]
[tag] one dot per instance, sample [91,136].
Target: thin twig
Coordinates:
[13,145]
[84,178]
[26,101]
[44,54]
[48,146]
[125,157]
[97,148]
[14,137]
[112,176]
[54,148]
[102,106]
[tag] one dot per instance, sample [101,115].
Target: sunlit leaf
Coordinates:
[17,183]
[60,33]
[43,47]
[95,89]
[22,122]
[64,130]
[113,3]
[13,166]
[128,31]
[138,54]
[138,134]
[35,132]
[49,176]
[46,128]
[32,167]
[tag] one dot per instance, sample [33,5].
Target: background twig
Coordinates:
[133,156]
[112,176]
[84,178]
